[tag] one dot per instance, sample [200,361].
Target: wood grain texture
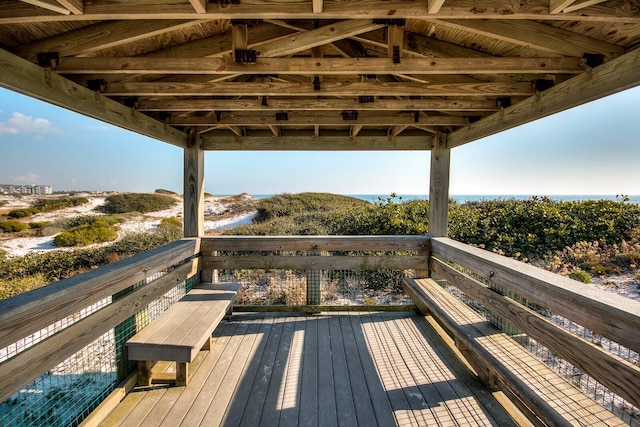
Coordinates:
[439,187]
[29,364]
[604,313]
[618,375]
[29,79]
[193,187]
[315,262]
[32,311]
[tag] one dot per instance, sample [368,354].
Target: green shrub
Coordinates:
[86,230]
[23,213]
[9,288]
[163,191]
[51,204]
[37,225]
[12,226]
[580,276]
[137,202]
[171,228]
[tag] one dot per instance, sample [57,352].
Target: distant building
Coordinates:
[25,189]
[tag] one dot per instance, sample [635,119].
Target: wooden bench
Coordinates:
[540,393]
[183,330]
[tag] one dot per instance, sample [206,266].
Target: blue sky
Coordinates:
[592,149]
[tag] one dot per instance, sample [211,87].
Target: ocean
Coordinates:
[461,199]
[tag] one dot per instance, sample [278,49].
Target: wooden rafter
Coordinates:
[310,66]
[308,141]
[75,6]
[51,5]
[102,36]
[607,79]
[434,6]
[24,77]
[319,104]
[537,35]
[317,6]
[332,9]
[303,118]
[318,37]
[567,6]
[326,89]
[200,6]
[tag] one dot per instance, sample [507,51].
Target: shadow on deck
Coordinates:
[346,369]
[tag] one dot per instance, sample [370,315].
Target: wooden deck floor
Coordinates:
[339,369]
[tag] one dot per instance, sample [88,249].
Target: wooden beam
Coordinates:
[355,130]
[303,118]
[239,38]
[535,35]
[317,6]
[557,6]
[326,89]
[75,6]
[607,79]
[29,79]
[193,187]
[200,6]
[310,142]
[434,6]
[306,40]
[614,11]
[581,5]
[310,66]
[318,104]
[51,5]
[100,36]
[439,187]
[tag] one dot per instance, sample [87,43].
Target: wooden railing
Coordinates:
[606,314]
[493,276]
[34,311]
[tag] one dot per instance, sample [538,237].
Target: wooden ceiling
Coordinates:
[319,74]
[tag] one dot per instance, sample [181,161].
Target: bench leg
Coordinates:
[207,344]
[144,372]
[229,312]
[182,373]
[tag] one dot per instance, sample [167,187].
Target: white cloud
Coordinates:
[20,123]
[28,178]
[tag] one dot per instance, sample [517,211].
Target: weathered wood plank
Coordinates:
[315,262]
[309,141]
[345,408]
[295,104]
[439,187]
[332,9]
[326,66]
[298,89]
[326,386]
[193,201]
[29,79]
[607,79]
[607,314]
[309,415]
[615,373]
[265,374]
[313,243]
[551,398]
[244,395]
[23,368]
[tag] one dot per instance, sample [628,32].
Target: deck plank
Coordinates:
[333,369]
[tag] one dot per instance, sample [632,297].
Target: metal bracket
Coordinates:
[250,23]
[396,22]
[49,59]
[282,116]
[131,102]
[164,117]
[97,85]
[350,115]
[245,56]
[316,83]
[396,54]
[366,99]
[543,84]
[592,60]
[503,102]
[224,2]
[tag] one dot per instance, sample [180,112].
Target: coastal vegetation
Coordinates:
[137,202]
[576,239]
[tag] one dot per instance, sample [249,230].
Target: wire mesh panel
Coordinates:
[591,387]
[336,287]
[66,394]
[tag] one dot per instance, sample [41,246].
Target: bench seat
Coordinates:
[502,362]
[182,331]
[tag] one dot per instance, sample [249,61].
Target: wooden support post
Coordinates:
[182,374]
[193,187]
[439,187]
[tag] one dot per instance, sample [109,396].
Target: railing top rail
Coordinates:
[314,243]
[31,311]
[605,313]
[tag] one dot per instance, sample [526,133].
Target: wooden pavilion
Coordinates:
[328,75]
